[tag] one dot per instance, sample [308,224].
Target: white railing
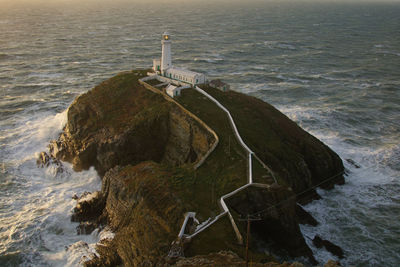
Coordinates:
[249,183]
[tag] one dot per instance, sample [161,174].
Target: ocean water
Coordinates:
[334,68]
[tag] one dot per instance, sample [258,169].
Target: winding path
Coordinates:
[222,199]
[250,154]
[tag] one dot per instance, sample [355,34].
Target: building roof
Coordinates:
[186,73]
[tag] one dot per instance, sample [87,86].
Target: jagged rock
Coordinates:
[108,255]
[85,228]
[329,246]
[89,207]
[276,209]
[144,212]
[305,217]
[45,160]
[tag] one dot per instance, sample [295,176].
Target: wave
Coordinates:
[38,230]
[280,45]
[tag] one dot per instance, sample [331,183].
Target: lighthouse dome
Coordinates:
[166,36]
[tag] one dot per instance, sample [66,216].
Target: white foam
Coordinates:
[355,213]
[41,201]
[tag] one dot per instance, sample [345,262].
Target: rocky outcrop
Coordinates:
[274,213]
[119,122]
[145,148]
[143,211]
[305,217]
[88,212]
[329,246]
[46,160]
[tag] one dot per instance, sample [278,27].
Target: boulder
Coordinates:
[305,217]
[329,246]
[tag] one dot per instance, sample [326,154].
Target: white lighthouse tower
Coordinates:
[163,68]
[166,59]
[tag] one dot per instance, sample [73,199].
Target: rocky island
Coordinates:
[160,158]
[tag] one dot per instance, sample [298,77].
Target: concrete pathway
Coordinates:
[249,182]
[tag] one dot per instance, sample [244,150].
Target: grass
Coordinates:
[118,102]
[276,140]
[223,171]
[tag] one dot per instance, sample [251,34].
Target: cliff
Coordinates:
[147,149]
[119,122]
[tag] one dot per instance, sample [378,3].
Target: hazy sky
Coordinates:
[5,4]
[227,1]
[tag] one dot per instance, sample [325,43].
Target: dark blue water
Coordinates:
[333,68]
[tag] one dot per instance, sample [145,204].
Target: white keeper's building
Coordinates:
[164,66]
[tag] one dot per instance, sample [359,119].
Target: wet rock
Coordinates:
[108,255]
[329,246]
[86,228]
[43,160]
[88,208]
[305,217]
[352,162]
[46,160]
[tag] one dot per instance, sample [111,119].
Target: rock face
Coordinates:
[143,211]
[145,147]
[88,212]
[274,213]
[329,246]
[119,122]
[305,217]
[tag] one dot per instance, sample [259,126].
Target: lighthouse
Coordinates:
[166,59]
[163,67]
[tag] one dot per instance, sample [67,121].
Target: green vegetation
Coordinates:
[120,101]
[223,171]
[275,139]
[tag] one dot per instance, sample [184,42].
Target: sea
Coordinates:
[331,66]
